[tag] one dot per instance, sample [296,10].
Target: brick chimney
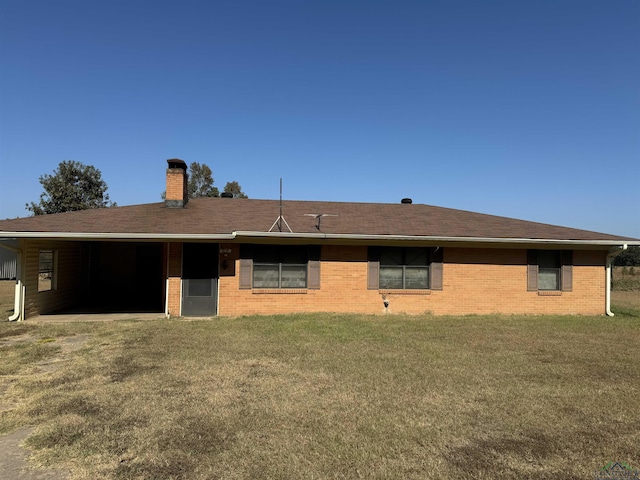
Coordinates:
[177,179]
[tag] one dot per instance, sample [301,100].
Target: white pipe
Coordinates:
[24,296]
[18,299]
[607,295]
[17,303]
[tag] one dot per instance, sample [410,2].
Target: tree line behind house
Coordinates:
[75,186]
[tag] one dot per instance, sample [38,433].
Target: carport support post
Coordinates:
[174,279]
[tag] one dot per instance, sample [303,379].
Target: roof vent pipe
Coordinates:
[408,201]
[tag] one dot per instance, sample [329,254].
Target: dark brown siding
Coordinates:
[67,273]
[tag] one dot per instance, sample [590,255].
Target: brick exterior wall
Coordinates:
[490,280]
[174,275]
[475,281]
[176,193]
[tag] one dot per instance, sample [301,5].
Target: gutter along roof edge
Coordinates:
[118,236]
[238,235]
[336,236]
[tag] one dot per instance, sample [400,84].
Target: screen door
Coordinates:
[199,279]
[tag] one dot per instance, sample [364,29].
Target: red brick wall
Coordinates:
[475,280]
[174,274]
[491,280]
[176,184]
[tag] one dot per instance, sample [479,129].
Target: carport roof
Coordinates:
[235,218]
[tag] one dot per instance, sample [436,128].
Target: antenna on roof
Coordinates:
[280,218]
[318,217]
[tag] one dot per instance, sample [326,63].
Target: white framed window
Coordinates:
[272,267]
[550,271]
[404,268]
[276,266]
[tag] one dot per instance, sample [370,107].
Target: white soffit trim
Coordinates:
[308,236]
[117,236]
[378,238]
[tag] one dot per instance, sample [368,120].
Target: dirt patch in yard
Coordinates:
[67,345]
[14,462]
[13,459]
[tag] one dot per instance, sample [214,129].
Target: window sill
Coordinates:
[279,291]
[549,293]
[387,291]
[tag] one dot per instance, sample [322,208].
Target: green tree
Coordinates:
[628,257]
[73,186]
[201,181]
[235,189]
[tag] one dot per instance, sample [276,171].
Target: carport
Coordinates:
[85,276]
[121,277]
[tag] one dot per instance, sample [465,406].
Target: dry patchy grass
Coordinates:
[7,295]
[626,301]
[625,297]
[626,279]
[329,396]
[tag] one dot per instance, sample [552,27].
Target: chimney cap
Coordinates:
[407,201]
[177,163]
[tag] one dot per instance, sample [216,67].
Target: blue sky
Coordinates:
[526,109]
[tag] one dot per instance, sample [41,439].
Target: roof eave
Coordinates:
[317,237]
[487,241]
[118,236]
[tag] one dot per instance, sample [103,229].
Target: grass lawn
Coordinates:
[7,297]
[328,396]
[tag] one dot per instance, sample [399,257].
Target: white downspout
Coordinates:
[18,300]
[607,296]
[17,303]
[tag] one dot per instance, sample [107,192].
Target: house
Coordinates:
[231,256]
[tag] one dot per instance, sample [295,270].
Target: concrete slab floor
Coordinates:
[13,460]
[93,317]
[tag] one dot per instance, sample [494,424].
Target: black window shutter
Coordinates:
[435,270]
[532,270]
[373,269]
[246,273]
[567,270]
[246,267]
[313,268]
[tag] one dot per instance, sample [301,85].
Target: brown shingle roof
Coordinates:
[210,216]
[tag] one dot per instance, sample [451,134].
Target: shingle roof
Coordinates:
[215,216]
